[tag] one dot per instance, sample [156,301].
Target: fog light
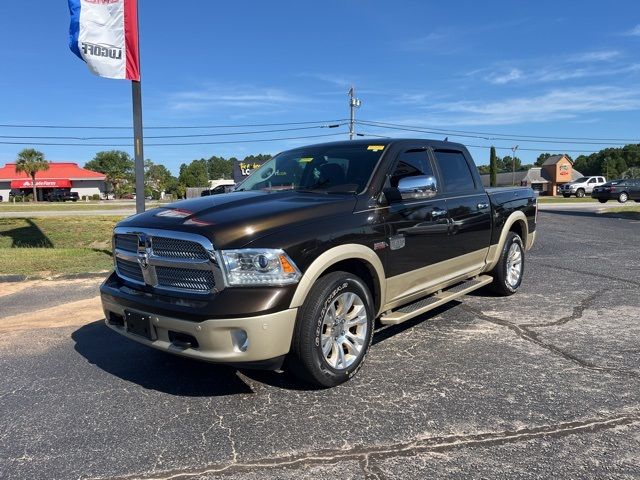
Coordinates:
[240,340]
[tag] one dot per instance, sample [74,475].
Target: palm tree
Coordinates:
[31,161]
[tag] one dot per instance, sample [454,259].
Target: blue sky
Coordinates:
[561,69]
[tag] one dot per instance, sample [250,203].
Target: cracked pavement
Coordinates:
[543,384]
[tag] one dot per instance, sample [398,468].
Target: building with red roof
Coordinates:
[60,176]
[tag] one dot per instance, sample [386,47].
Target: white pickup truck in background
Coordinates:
[581,186]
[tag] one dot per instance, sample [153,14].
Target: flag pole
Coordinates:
[136,94]
[138,143]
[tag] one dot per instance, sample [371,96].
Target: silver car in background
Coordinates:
[581,186]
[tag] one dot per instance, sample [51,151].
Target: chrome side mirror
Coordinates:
[418,187]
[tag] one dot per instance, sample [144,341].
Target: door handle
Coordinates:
[438,213]
[482,206]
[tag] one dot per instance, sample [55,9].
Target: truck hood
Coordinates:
[234,219]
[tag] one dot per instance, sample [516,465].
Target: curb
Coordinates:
[66,276]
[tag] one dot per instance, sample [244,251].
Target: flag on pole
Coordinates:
[104,33]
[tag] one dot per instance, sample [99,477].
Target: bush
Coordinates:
[84,198]
[95,196]
[18,199]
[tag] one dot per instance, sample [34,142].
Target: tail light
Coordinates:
[613,189]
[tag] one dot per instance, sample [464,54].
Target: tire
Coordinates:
[503,283]
[316,327]
[580,193]
[623,197]
[565,195]
[602,200]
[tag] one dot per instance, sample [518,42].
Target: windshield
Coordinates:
[330,169]
[581,180]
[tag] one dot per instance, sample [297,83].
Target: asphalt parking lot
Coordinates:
[544,384]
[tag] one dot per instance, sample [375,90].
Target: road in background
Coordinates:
[543,384]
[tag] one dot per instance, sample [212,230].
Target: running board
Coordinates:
[434,300]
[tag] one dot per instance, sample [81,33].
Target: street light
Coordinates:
[513,164]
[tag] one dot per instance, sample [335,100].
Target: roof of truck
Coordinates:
[389,141]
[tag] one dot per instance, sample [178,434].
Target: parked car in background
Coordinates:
[581,186]
[621,190]
[62,196]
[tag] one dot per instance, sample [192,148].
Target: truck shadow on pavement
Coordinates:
[155,370]
[152,369]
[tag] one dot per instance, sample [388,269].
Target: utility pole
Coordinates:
[513,164]
[353,104]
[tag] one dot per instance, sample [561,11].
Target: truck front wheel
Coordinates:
[580,193]
[333,330]
[507,274]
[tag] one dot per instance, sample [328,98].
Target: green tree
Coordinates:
[508,164]
[613,167]
[31,161]
[194,174]
[157,177]
[541,159]
[219,167]
[117,166]
[493,167]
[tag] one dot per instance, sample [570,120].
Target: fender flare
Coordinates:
[494,250]
[332,256]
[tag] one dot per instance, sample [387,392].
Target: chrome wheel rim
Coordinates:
[344,331]
[514,264]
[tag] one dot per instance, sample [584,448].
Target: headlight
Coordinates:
[259,266]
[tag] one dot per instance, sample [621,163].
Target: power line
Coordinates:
[484,135]
[539,150]
[489,138]
[167,127]
[169,144]
[55,137]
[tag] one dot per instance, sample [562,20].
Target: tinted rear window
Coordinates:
[456,175]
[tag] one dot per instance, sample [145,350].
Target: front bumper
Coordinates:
[268,336]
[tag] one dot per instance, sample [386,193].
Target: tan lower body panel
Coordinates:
[269,336]
[406,287]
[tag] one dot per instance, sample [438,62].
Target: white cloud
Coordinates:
[247,97]
[634,32]
[556,104]
[337,80]
[504,77]
[596,56]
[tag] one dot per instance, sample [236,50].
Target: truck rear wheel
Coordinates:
[333,330]
[507,274]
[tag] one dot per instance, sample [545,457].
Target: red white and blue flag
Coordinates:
[104,33]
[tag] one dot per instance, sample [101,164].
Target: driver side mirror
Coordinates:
[419,187]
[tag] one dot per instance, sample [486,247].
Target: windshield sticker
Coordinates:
[375,148]
[306,159]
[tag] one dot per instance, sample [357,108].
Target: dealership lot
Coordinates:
[544,384]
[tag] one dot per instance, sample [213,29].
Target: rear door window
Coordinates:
[455,172]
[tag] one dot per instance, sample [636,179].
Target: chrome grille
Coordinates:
[128,242]
[185,278]
[176,248]
[129,269]
[166,260]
